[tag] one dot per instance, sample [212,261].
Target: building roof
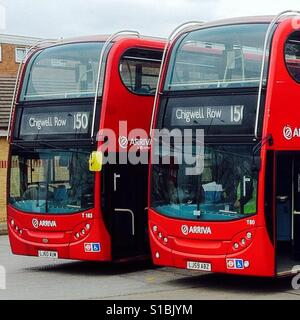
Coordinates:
[18,40]
[7,82]
[93,38]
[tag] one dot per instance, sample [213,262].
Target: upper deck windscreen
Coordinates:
[62,72]
[217,57]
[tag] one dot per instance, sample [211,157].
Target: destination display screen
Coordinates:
[58,123]
[216,115]
[208,115]
[54,122]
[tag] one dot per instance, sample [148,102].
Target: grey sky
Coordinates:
[66,18]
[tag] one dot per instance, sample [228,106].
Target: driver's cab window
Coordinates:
[139,70]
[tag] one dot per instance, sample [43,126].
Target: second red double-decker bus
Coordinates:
[60,203]
[238,80]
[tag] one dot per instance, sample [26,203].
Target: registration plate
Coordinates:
[200,266]
[48,254]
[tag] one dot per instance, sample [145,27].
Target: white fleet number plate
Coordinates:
[201,266]
[48,254]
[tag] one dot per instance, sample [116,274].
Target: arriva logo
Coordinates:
[43,223]
[290,133]
[124,142]
[195,230]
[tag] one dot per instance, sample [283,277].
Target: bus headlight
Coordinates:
[241,241]
[82,231]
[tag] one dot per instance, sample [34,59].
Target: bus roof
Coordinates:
[93,38]
[231,21]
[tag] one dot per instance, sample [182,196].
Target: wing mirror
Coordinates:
[256,164]
[96,161]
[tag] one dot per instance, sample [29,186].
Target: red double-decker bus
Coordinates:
[238,81]
[61,202]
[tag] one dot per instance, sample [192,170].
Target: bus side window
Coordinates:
[292,55]
[139,70]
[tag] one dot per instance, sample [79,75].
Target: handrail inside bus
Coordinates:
[171,37]
[34,46]
[102,53]
[267,39]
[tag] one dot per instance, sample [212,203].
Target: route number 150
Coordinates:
[81,121]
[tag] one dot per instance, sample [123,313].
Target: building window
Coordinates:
[20,54]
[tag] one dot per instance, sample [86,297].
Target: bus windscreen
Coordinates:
[219,57]
[225,190]
[62,72]
[51,181]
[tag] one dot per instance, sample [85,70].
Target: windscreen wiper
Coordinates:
[268,139]
[199,196]
[52,146]
[18,145]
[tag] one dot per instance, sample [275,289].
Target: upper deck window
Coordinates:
[62,72]
[217,57]
[292,55]
[139,70]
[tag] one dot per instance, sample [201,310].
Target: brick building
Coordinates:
[12,51]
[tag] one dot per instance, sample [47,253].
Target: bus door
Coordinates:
[287,210]
[296,211]
[126,191]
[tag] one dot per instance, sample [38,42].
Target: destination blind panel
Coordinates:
[207,115]
[62,122]
[216,115]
